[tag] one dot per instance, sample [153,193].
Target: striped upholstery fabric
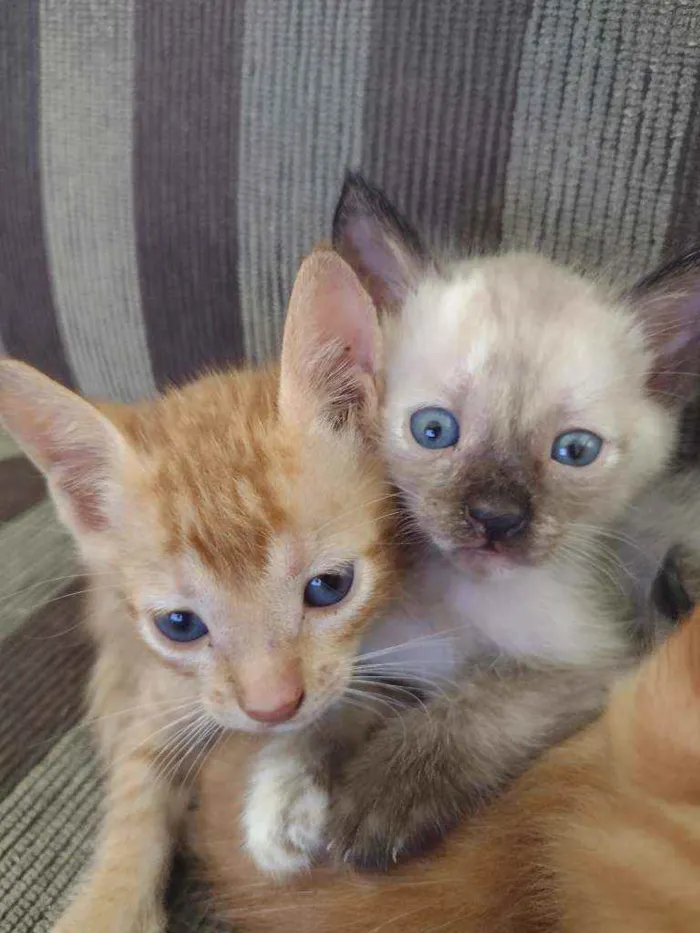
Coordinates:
[164,164]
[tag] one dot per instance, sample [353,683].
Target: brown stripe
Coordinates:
[43,667]
[21,486]
[28,327]
[684,225]
[441,94]
[188,60]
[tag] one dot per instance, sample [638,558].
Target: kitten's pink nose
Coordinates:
[273,693]
[282,713]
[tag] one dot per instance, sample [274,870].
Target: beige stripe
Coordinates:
[8,448]
[37,561]
[304,74]
[87,89]
[46,829]
[605,94]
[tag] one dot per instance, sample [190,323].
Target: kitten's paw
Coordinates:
[389,805]
[285,817]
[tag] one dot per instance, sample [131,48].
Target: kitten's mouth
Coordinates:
[483,559]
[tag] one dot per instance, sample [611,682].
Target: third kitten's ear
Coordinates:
[79,451]
[668,301]
[331,350]
[380,245]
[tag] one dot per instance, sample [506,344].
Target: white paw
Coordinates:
[285,817]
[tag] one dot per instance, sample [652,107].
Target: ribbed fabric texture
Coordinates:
[165,165]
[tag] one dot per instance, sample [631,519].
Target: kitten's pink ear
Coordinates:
[668,301]
[378,243]
[331,350]
[77,448]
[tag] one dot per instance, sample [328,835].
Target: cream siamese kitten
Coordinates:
[528,414]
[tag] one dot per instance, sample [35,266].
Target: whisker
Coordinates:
[411,643]
[72,576]
[354,508]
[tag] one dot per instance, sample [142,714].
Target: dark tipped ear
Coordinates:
[668,302]
[377,242]
[331,349]
[76,447]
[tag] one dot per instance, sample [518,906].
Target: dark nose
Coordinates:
[499,523]
[278,714]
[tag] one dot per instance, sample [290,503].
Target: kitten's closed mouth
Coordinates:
[481,559]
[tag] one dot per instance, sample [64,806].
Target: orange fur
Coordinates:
[601,836]
[222,498]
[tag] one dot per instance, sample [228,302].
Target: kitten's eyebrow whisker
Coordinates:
[355,508]
[368,522]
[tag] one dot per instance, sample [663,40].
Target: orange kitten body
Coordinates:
[203,518]
[601,836]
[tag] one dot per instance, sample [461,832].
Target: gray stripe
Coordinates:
[304,68]
[684,227]
[605,93]
[87,60]
[441,94]
[46,829]
[186,138]
[43,672]
[37,560]
[27,314]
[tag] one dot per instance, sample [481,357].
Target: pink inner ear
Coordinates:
[331,350]
[77,473]
[675,337]
[387,269]
[344,315]
[67,439]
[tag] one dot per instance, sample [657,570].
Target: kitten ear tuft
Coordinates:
[668,302]
[76,447]
[377,242]
[331,349]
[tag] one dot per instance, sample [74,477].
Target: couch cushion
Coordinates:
[166,165]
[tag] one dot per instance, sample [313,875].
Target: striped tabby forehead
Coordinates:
[230,478]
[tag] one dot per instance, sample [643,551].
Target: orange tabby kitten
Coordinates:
[601,836]
[237,535]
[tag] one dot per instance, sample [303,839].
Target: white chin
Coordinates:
[479,563]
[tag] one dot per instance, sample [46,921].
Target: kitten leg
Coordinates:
[124,888]
[416,778]
[286,811]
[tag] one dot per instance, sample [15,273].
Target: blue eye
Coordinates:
[180,625]
[576,448]
[434,428]
[327,589]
